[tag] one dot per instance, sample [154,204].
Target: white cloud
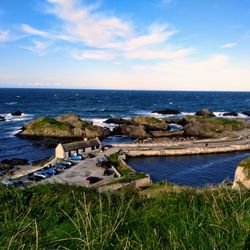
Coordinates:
[36,32]
[4,36]
[37,47]
[93,55]
[157,34]
[89,26]
[166,54]
[228,45]
[212,73]
[105,36]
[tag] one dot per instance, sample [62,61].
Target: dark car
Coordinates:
[10,182]
[68,164]
[93,179]
[108,172]
[91,155]
[51,171]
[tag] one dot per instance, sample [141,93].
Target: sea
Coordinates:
[97,106]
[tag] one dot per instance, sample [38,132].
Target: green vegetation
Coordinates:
[234,124]
[128,174]
[66,217]
[114,159]
[48,122]
[151,121]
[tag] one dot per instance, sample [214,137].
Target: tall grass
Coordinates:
[64,217]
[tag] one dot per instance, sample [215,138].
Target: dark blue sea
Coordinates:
[98,105]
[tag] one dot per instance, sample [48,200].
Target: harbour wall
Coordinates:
[184,151]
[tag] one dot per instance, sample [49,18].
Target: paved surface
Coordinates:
[77,174]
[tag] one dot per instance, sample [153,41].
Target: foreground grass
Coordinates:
[66,217]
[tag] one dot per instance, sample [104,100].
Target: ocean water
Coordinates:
[97,105]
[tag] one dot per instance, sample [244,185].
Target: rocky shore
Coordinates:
[202,125]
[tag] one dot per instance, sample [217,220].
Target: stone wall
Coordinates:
[186,151]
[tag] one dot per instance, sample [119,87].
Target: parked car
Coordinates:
[108,172]
[10,182]
[7,182]
[93,179]
[51,171]
[59,165]
[41,175]
[91,155]
[17,182]
[68,164]
[77,158]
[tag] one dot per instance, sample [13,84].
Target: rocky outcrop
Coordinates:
[17,113]
[246,113]
[242,175]
[159,133]
[2,119]
[15,162]
[167,112]
[205,112]
[65,126]
[150,122]
[119,121]
[9,166]
[178,121]
[230,114]
[133,131]
[212,127]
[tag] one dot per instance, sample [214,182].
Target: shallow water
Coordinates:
[195,171]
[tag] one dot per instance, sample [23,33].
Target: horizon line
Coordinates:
[111,89]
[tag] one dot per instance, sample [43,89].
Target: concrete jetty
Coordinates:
[209,146]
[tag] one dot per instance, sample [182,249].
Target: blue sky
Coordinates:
[126,44]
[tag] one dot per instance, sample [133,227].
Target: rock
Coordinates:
[167,112]
[166,133]
[150,122]
[119,121]
[230,114]
[15,162]
[17,113]
[178,121]
[206,127]
[204,112]
[72,120]
[2,119]
[242,175]
[133,131]
[246,113]
[4,167]
[66,126]
[95,131]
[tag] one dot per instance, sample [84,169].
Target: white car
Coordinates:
[41,175]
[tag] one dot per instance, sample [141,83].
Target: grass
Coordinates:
[233,123]
[128,174]
[48,122]
[149,120]
[66,217]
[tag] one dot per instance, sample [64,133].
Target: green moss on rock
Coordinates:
[150,121]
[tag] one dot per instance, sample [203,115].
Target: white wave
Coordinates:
[101,123]
[16,130]
[11,103]
[23,117]
[240,115]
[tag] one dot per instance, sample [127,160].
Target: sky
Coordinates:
[125,44]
